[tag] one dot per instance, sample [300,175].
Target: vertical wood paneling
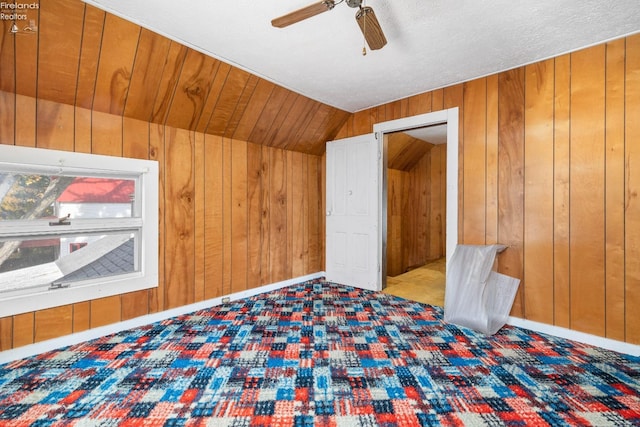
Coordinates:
[94,19]
[157,152]
[315,184]
[265,259]
[632,190]
[55,126]
[199,252]
[7,58]
[278,257]
[179,218]
[418,104]
[82,122]
[243,98]
[510,180]
[219,78]
[7,118]
[258,102]
[437,100]
[586,176]
[135,138]
[227,101]
[26,121]
[168,82]
[436,242]
[292,121]
[6,333]
[561,132]
[538,200]
[443,198]
[297,138]
[269,117]
[53,322]
[491,215]
[23,329]
[106,134]
[393,111]
[81,316]
[26,61]
[120,39]
[105,311]
[151,54]
[213,233]
[192,90]
[297,227]
[395,192]
[474,164]
[227,201]
[254,220]
[239,216]
[362,122]
[614,190]
[59,35]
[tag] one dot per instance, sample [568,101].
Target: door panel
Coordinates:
[352,224]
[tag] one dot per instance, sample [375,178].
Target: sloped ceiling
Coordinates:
[220,68]
[431,43]
[85,57]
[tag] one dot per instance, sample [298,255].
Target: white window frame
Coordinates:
[145,172]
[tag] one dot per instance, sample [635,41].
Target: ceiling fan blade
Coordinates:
[370,28]
[304,13]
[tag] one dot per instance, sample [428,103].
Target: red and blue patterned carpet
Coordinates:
[320,354]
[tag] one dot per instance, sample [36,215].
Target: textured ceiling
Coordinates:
[431,43]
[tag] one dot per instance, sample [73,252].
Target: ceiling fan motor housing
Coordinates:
[354,3]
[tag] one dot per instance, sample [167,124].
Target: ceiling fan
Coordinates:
[365,17]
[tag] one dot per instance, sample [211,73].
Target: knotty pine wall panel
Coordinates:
[538,228]
[60,40]
[587,179]
[151,53]
[84,57]
[561,206]
[192,90]
[632,190]
[560,155]
[157,152]
[225,206]
[474,168]
[90,47]
[199,220]
[614,190]
[117,55]
[395,193]
[213,216]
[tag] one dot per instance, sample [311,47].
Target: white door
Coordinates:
[353,218]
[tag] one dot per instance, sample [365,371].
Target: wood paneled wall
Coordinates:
[233,215]
[416,212]
[549,164]
[86,57]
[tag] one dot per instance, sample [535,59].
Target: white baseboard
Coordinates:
[609,344]
[78,337]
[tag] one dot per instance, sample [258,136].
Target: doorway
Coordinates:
[440,127]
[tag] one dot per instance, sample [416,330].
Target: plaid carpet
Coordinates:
[320,354]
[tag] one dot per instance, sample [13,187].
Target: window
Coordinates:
[74,227]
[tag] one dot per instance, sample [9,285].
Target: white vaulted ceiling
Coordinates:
[431,43]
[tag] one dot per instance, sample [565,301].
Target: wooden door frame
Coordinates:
[451,118]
